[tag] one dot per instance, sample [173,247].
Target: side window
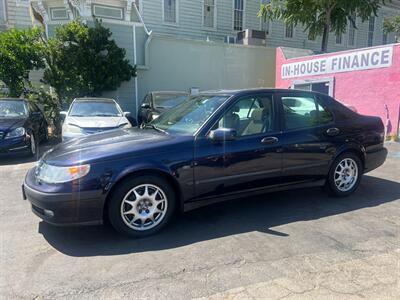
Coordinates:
[324,115]
[249,116]
[304,112]
[31,107]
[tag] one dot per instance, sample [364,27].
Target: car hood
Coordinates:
[110,145]
[9,123]
[97,122]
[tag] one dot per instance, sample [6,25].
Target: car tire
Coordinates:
[345,174]
[141,206]
[33,145]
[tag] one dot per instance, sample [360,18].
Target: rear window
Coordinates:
[341,111]
[168,100]
[304,111]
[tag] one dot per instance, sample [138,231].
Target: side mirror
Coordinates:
[145,106]
[223,135]
[130,118]
[63,115]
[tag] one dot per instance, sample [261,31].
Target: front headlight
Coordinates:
[53,174]
[17,132]
[69,128]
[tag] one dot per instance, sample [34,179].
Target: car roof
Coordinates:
[170,92]
[94,100]
[242,92]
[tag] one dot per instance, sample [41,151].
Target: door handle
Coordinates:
[269,140]
[333,131]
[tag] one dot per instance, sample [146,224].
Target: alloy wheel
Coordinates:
[144,207]
[346,174]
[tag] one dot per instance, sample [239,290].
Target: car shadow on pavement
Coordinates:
[224,219]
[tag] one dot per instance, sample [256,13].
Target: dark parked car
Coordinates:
[212,147]
[155,103]
[22,127]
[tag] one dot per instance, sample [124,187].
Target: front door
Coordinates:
[252,161]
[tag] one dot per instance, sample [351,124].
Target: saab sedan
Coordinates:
[212,147]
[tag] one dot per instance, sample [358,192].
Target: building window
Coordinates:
[59,13]
[230,39]
[371,29]
[209,13]
[352,31]
[289,31]
[339,37]
[170,11]
[108,12]
[238,12]
[22,2]
[3,16]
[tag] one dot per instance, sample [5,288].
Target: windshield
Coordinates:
[12,109]
[168,100]
[94,109]
[187,117]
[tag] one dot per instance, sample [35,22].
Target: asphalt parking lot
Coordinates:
[295,244]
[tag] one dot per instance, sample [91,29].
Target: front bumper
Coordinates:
[14,145]
[375,159]
[76,208]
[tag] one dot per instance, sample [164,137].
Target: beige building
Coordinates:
[14,13]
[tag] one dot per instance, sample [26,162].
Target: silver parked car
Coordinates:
[92,115]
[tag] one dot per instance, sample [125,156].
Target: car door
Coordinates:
[308,140]
[33,120]
[40,121]
[252,161]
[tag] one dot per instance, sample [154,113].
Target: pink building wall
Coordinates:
[367,90]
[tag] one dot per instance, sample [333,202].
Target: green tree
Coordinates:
[320,17]
[392,24]
[85,61]
[20,52]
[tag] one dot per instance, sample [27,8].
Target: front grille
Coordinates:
[90,130]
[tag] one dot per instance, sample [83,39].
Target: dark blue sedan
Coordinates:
[22,127]
[213,147]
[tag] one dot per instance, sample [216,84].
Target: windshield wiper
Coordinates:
[152,126]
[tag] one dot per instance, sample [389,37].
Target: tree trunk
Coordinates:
[325,37]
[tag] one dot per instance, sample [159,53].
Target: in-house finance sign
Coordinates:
[351,61]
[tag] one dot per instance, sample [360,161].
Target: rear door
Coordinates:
[309,136]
